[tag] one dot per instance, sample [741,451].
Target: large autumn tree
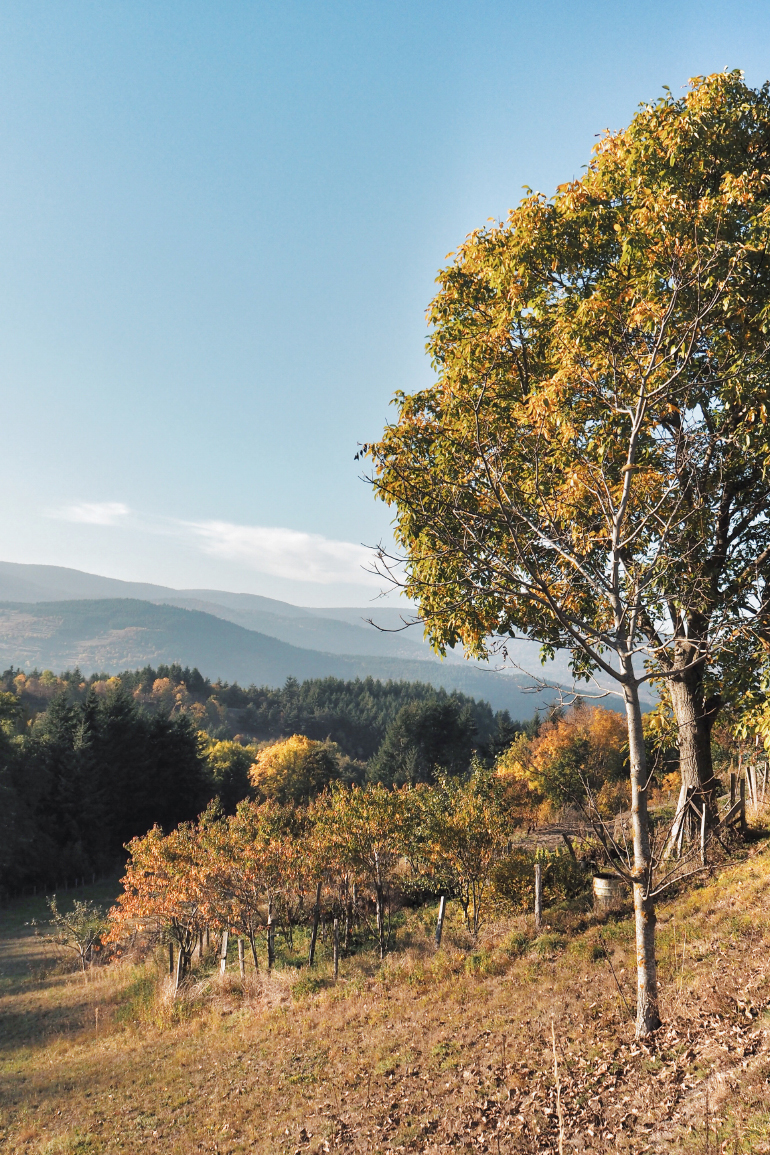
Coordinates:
[589,467]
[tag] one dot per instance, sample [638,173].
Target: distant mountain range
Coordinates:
[57,618]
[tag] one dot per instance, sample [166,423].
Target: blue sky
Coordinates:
[220,225]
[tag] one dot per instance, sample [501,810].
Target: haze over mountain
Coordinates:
[55,618]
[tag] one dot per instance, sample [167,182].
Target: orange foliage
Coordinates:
[585,747]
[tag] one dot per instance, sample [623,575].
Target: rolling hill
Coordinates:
[335,631]
[275,639]
[110,635]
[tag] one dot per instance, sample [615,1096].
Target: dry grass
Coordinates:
[429,1052]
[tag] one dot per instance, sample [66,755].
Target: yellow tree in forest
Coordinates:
[295,769]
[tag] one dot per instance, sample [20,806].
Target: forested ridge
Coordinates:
[87,763]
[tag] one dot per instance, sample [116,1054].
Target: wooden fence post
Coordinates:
[538,895]
[744,826]
[270,941]
[241,963]
[440,920]
[223,952]
[348,918]
[314,931]
[336,947]
[171,959]
[732,790]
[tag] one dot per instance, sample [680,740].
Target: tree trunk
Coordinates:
[314,931]
[348,917]
[336,947]
[647,1005]
[380,905]
[694,720]
[181,969]
[270,937]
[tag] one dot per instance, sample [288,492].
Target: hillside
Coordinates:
[112,635]
[332,630]
[340,631]
[429,1052]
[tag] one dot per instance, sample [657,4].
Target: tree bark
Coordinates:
[181,969]
[314,931]
[253,945]
[348,917]
[538,896]
[647,1002]
[380,904]
[336,948]
[270,937]
[694,719]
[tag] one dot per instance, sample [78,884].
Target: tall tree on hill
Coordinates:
[123,767]
[179,787]
[423,737]
[60,797]
[589,467]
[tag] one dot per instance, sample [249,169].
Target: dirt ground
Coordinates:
[502,1045]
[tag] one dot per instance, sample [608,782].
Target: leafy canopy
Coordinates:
[590,465]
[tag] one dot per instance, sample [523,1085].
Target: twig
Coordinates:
[559,1111]
[617,984]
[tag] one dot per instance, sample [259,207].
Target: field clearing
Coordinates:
[431,1051]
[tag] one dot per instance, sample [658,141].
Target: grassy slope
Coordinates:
[432,1052]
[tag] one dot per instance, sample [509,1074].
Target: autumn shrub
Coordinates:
[572,756]
[513,878]
[79,930]
[137,1004]
[228,764]
[547,945]
[486,963]
[462,829]
[613,797]
[516,943]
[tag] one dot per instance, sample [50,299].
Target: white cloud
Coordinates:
[282,553]
[285,553]
[94,512]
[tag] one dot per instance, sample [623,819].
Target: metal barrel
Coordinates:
[609,892]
